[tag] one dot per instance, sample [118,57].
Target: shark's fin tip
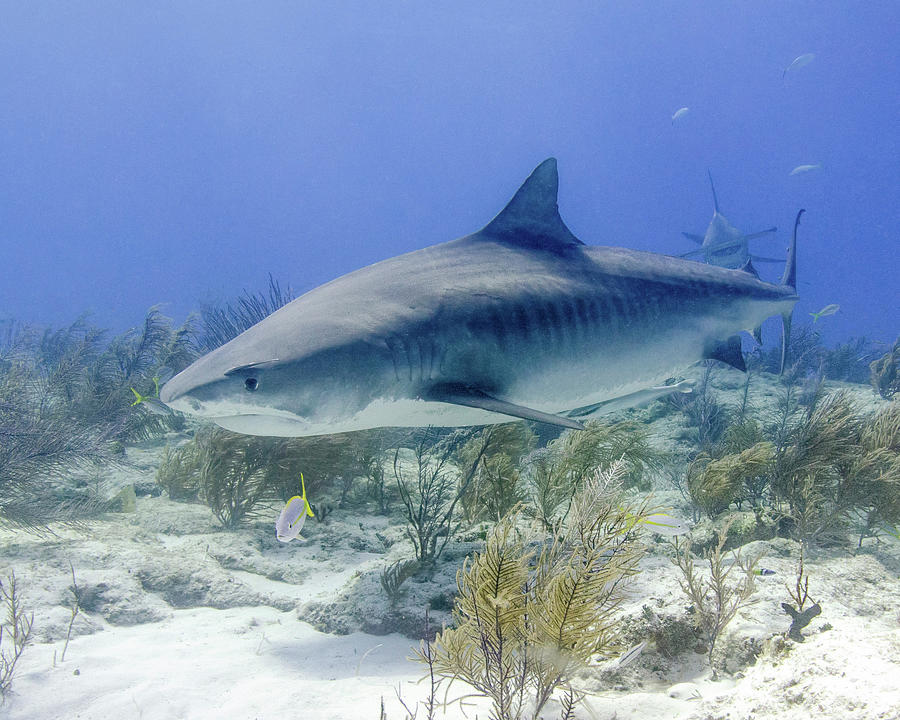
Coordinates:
[531,219]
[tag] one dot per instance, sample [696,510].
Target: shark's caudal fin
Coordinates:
[789,280]
[711,185]
[531,219]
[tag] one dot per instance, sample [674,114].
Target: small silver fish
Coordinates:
[290,522]
[630,655]
[825,311]
[800,169]
[680,113]
[799,62]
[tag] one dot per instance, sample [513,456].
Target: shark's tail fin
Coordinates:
[789,279]
[712,185]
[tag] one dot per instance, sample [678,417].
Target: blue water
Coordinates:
[178,153]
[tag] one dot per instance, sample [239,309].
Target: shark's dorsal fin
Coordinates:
[747,267]
[531,219]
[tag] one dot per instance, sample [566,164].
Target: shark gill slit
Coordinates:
[391,345]
[581,310]
[559,334]
[570,322]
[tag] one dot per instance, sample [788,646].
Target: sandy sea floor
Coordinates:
[181,619]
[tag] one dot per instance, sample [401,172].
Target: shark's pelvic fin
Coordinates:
[728,352]
[531,219]
[789,279]
[457,394]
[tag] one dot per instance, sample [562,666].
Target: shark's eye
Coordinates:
[251,384]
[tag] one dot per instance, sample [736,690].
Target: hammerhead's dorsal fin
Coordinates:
[531,219]
[712,185]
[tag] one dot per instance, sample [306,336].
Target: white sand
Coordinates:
[190,622]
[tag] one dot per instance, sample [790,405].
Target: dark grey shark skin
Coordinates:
[518,320]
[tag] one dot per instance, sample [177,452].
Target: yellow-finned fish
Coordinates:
[663,524]
[290,522]
[825,311]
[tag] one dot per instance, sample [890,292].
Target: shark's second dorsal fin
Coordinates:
[531,219]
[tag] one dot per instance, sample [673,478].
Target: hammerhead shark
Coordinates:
[723,244]
[520,320]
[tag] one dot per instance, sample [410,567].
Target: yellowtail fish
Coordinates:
[664,524]
[680,113]
[290,522]
[825,311]
[151,403]
[661,523]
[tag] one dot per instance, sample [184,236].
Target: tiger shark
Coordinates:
[519,320]
[723,244]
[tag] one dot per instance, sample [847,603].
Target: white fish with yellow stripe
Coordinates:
[290,522]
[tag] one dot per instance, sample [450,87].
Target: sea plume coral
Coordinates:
[526,618]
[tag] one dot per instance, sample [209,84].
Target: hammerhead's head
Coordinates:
[723,244]
[518,320]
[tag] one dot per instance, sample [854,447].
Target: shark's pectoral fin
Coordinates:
[728,352]
[753,236]
[692,253]
[458,394]
[693,236]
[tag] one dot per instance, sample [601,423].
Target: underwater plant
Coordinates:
[133,363]
[554,474]
[799,594]
[44,443]
[394,575]
[715,599]
[526,618]
[496,487]
[15,631]
[179,471]
[877,471]
[813,472]
[705,415]
[431,496]
[713,484]
[884,373]
[233,474]
[220,323]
